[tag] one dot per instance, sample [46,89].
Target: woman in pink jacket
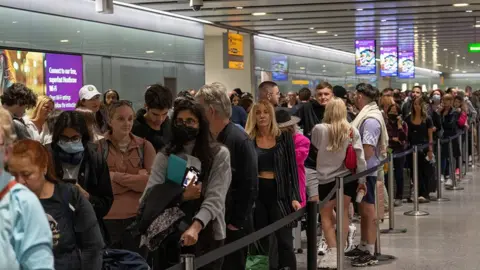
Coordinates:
[302,146]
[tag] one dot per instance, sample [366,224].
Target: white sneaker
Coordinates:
[449,182]
[329,261]
[352,229]
[442,178]
[322,247]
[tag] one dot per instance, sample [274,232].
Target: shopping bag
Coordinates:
[257,262]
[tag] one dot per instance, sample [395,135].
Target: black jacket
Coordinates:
[94,177]
[158,138]
[244,186]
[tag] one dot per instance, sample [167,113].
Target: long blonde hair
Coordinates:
[251,126]
[41,100]
[338,127]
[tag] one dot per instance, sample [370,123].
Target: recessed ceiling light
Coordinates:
[149,52]
[359,9]
[477,25]
[458,55]
[439,65]
[460,5]
[469,11]
[336,35]
[14,22]
[302,68]
[445,49]
[324,66]
[259,13]
[384,20]
[324,70]
[64,40]
[239,7]
[279,19]
[464,71]
[471,62]
[322,32]
[457,69]
[311,28]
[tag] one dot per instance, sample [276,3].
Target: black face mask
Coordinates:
[184,133]
[392,117]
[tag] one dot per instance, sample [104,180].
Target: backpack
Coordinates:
[7,188]
[104,150]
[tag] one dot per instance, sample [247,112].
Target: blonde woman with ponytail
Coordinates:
[332,139]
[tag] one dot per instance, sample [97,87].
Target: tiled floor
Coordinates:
[447,239]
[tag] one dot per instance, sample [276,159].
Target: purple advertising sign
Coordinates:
[365,57]
[406,65]
[63,79]
[388,61]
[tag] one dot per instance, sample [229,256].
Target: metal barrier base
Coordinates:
[393,231]
[384,257]
[454,188]
[440,199]
[416,213]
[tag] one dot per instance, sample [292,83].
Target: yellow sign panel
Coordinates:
[235,44]
[300,82]
[235,65]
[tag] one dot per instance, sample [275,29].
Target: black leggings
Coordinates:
[268,211]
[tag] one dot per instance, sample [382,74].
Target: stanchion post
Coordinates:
[340,209]
[440,197]
[188,261]
[478,141]
[391,207]
[416,211]
[465,155]
[460,158]
[312,211]
[452,165]
[378,248]
[472,142]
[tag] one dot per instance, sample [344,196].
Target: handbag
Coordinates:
[351,155]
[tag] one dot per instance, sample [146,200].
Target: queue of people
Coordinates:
[191,174]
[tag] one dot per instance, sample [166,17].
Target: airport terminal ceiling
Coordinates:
[437,31]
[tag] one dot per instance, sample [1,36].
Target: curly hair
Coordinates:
[19,94]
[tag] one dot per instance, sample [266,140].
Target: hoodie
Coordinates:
[158,138]
[25,235]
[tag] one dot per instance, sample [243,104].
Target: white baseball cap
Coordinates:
[88,92]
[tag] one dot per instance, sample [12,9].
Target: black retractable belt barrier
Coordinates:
[312,210]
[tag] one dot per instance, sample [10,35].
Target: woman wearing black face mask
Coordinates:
[205,198]
[397,141]
[77,161]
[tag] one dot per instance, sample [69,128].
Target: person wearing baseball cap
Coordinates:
[89,98]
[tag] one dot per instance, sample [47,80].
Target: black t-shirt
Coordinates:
[418,134]
[69,214]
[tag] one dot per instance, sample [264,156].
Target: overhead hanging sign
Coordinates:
[235,44]
[474,47]
[406,65]
[365,57]
[233,51]
[388,61]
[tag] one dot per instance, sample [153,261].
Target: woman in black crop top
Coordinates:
[277,178]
